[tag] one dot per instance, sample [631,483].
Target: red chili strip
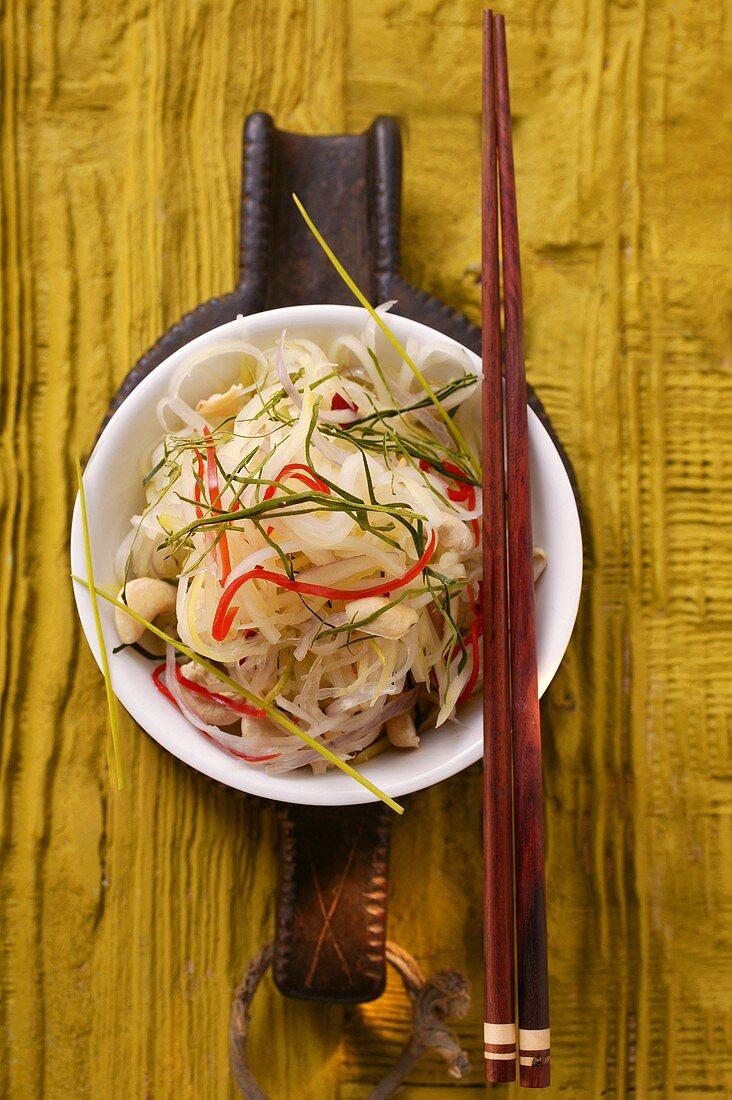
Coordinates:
[453,471]
[215,697]
[161,685]
[225,559]
[212,473]
[462,493]
[298,471]
[466,494]
[339,402]
[458,493]
[448,469]
[470,502]
[228,620]
[253,759]
[307,589]
[164,690]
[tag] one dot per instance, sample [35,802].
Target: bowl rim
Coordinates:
[148,712]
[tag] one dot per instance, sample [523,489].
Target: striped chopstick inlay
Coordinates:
[499,1042]
[534,1047]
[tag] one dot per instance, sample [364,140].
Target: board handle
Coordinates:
[331,908]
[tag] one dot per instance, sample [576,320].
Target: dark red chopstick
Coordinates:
[533,992]
[498,928]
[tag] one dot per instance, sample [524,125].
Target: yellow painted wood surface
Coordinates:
[127,919]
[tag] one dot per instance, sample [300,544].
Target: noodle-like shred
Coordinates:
[335,474]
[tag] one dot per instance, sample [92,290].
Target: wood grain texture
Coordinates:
[127,919]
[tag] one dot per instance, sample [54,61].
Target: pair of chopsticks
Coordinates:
[512,735]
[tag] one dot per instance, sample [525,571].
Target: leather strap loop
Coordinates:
[444,997]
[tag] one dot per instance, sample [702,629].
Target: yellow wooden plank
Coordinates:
[126,920]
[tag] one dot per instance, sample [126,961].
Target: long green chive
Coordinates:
[446,391]
[304,503]
[355,623]
[93,592]
[451,425]
[272,712]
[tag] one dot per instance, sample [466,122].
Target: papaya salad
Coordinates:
[314,531]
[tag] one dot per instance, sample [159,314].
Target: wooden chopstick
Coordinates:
[498,929]
[533,993]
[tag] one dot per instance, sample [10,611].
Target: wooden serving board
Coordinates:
[331,912]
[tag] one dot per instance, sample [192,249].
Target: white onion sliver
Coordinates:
[283,374]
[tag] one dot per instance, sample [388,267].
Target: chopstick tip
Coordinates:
[535,1077]
[500,1073]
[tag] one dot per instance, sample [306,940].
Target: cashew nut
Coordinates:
[215,714]
[393,623]
[540,560]
[149,598]
[402,732]
[222,405]
[252,727]
[453,534]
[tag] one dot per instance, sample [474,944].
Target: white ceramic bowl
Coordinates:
[114,493]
